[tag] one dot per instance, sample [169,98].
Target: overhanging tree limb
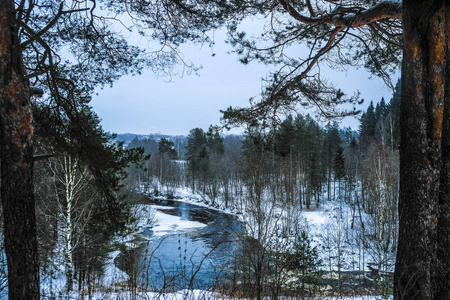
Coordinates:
[357,18]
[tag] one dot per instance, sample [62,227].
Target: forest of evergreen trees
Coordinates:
[56,54]
[295,166]
[299,160]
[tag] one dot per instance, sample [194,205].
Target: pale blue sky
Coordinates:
[146,104]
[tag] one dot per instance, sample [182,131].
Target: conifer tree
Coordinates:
[284,138]
[214,140]
[166,146]
[332,142]
[339,166]
[375,34]
[314,168]
[196,153]
[368,125]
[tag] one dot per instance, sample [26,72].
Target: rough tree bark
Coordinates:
[443,250]
[16,155]
[422,116]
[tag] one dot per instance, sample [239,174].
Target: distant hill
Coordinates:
[150,142]
[128,137]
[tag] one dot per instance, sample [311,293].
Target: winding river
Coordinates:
[196,256]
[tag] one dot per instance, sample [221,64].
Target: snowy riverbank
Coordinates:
[323,225]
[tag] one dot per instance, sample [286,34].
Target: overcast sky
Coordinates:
[146,104]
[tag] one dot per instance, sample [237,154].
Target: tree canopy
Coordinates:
[54,53]
[300,38]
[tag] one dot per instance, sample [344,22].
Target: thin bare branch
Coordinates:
[50,24]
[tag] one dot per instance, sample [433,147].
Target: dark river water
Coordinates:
[199,258]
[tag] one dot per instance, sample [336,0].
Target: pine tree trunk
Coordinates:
[16,155]
[420,160]
[443,250]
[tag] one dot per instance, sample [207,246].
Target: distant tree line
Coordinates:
[294,166]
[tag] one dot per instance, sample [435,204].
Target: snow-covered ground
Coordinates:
[329,228]
[161,223]
[335,229]
[203,295]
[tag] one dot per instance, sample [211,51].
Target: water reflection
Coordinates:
[198,258]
